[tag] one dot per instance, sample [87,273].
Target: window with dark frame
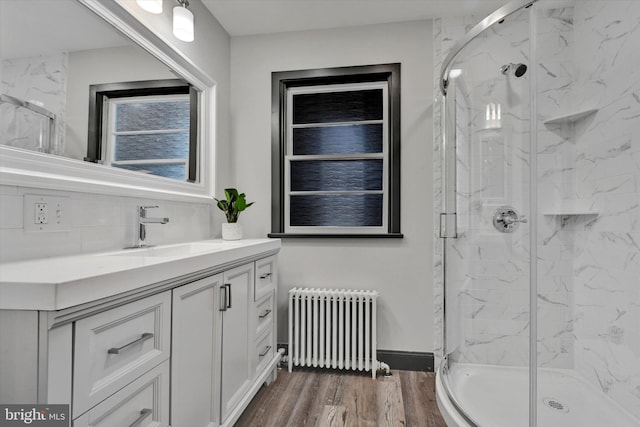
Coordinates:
[336,152]
[147,126]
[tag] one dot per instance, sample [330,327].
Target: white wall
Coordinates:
[398,269]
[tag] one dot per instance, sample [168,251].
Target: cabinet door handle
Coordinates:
[265,275]
[266,350]
[118,350]
[265,314]
[226,299]
[143,414]
[223,298]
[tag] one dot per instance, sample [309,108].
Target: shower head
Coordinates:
[517,70]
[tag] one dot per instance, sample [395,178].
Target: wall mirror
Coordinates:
[47,75]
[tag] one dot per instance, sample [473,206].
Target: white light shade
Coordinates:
[151,6]
[183,24]
[456,72]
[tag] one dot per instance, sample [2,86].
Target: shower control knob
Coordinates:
[506,219]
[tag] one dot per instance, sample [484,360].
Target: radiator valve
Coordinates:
[387,369]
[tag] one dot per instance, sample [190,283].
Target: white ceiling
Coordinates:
[28,27]
[246,17]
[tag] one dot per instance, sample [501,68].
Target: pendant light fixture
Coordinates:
[183,22]
[151,6]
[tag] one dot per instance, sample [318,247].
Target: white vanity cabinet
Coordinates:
[221,306]
[121,365]
[144,402]
[189,349]
[236,362]
[194,362]
[113,348]
[264,315]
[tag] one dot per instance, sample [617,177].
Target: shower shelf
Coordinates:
[570,213]
[564,216]
[570,118]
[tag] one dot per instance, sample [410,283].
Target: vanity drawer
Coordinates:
[144,402]
[265,277]
[264,351]
[113,348]
[264,314]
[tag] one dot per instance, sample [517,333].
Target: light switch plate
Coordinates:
[46,213]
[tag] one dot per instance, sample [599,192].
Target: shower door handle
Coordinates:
[448,215]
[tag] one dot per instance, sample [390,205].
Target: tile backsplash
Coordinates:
[97,223]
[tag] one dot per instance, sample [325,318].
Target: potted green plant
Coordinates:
[233,203]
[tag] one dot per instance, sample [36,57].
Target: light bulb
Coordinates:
[183,24]
[151,6]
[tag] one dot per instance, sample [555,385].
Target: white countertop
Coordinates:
[62,282]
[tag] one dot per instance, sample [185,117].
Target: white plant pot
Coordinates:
[231,231]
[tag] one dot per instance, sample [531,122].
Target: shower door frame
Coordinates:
[448,214]
[51,144]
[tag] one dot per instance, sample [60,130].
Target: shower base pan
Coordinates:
[497,396]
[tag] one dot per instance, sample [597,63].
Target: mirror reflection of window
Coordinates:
[149,134]
[146,126]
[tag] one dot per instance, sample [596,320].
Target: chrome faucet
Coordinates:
[142,221]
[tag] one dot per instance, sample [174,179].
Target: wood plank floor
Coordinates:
[324,398]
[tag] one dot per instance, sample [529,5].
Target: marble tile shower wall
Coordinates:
[606,266]
[96,223]
[588,265]
[555,157]
[442,41]
[42,79]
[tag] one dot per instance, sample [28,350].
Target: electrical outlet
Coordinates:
[46,213]
[41,213]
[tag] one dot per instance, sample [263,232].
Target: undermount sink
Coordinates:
[179,250]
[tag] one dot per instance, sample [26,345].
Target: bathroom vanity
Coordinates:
[178,335]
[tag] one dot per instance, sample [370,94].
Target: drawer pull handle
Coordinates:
[265,314]
[143,414]
[118,350]
[265,275]
[266,350]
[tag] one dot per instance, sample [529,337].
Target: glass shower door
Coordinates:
[484,222]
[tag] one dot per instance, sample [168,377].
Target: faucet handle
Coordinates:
[506,219]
